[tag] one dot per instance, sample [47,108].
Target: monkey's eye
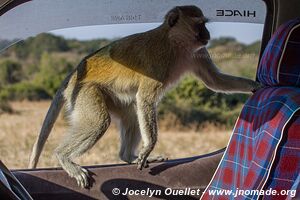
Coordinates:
[200,24]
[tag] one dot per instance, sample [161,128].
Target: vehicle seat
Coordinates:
[264,149]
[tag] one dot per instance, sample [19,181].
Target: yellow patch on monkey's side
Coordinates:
[106,72]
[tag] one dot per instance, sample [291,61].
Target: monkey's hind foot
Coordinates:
[152,159]
[82,177]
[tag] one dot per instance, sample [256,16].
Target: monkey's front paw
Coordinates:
[257,86]
[151,159]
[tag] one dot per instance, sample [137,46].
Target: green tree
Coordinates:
[52,72]
[35,46]
[222,41]
[10,72]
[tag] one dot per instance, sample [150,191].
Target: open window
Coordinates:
[41,41]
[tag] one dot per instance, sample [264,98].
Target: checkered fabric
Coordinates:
[280,61]
[248,158]
[264,149]
[284,174]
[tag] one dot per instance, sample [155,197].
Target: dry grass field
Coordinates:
[19,130]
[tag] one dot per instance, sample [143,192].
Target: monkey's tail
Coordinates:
[52,114]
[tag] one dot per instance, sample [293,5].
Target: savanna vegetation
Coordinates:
[33,70]
[191,116]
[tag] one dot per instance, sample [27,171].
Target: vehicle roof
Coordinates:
[278,12]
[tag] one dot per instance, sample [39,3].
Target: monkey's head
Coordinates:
[187,27]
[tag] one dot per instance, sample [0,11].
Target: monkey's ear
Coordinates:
[172,17]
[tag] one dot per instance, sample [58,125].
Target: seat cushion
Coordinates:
[280,62]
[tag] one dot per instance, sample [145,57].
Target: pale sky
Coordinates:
[243,32]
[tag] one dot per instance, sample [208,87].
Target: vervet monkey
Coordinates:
[126,79]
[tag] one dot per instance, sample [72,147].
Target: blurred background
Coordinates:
[192,119]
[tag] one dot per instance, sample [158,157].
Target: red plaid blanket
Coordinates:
[284,174]
[256,144]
